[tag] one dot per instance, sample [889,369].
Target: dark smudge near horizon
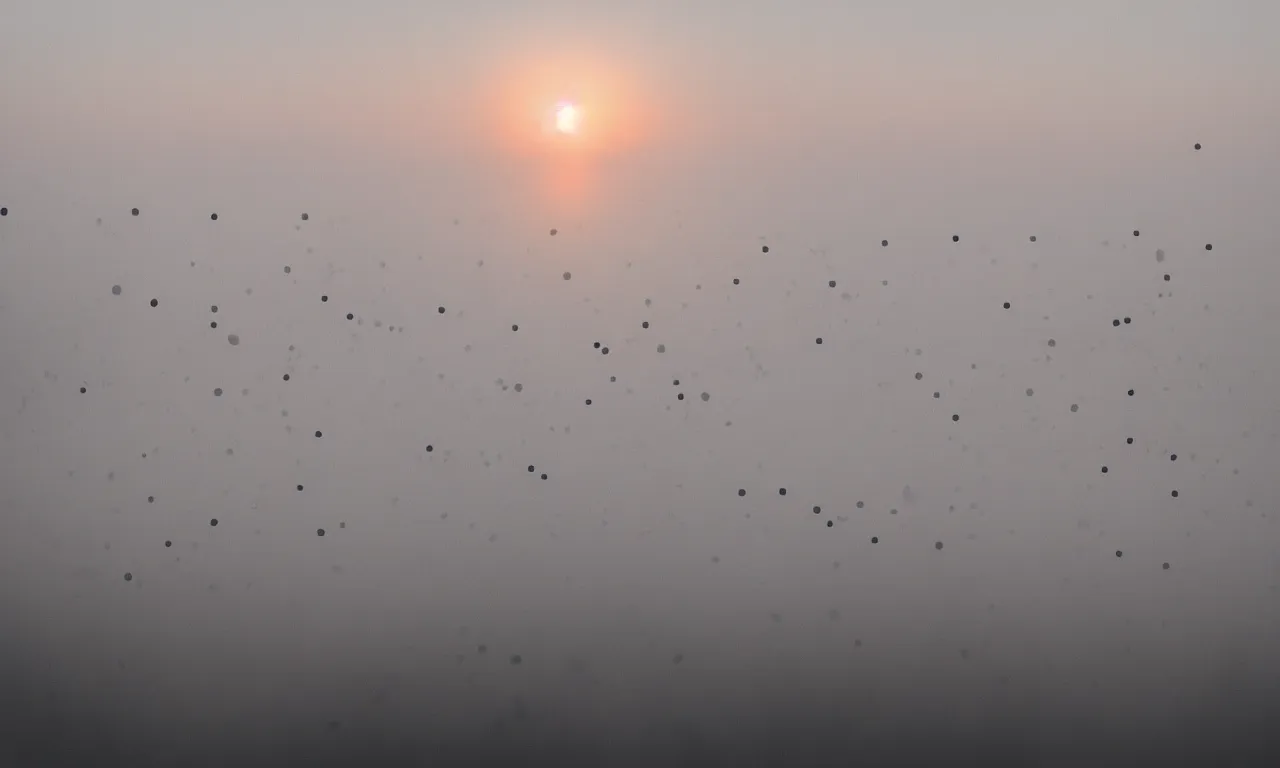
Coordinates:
[1009,499]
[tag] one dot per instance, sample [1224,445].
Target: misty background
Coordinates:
[975,591]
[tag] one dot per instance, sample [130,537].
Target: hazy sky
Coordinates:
[1042,311]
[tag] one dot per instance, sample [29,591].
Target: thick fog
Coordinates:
[928,418]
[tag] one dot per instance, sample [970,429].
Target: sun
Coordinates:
[567,119]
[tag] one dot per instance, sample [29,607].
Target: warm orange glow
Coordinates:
[567,119]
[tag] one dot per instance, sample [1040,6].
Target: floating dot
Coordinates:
[884,243]
[1128,320]
[430,448]
[299,487]
[134,211]
[319,434]
[168,543]
[782,491]
[213,522]
[1174,494]
[305,217]
[1173,457]
[233,339]
[567,276]
[1074,408]
[705,396]
[440,310]
[1167,277]
[128,576]
[213,217]
[588,401]
[604,350]
[554,231]
[1135,233]
[1030,391]
[116,290]
[937,395]
[742,492]
[213,308]
[1033,238]
[680,396]
[1115,323]
[1104,470]
[1053,343]
[1165,566]
[324,298]
[955,238]
[937,545]
[319,531]
[1208,246]
[1119,553]
[875,539]
[544,475]
[155,302]
[217,391]
[515,660]
[213,323]
[1007,305]
[831,283]
[285,377]
[519,387]
[1129,440]
[662,348]
[818,340]
[735,281]
[515,327]
[4,211]
[287,269]
[645,324]
[955,417]
[919,375]
[530,467]
[83,390]
[1131,393]
[830,523]
[764,249]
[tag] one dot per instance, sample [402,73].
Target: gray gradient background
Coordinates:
[660,618]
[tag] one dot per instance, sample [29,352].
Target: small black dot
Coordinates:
[214,309]
[324,298]
[4,211]
[319,434]
[955,238]
[604,350]
[764,249]
[675,382]
[875,539]
[782,491]
[830,523]
[1208,246]
[937,545]
[151,499]
[735,281]
[83,390]
[440,310]
[588,401]
[884,243]
[1135,233]
[430,448]
[1166,565]
[305,217]
[1115,323]
[554,231]
[817,510]
[680,396]
[1006,305]
[645,324]
[596,345]
[1167,278]
[515,327]
[213,522]
[860,505]
[1119,553]
[213,217]
[742,491]
[1128,320]
[134,211]
[155,302]
[319,531]
[1174,494]
[128,577]
[1033,238]
[213,323]
[351,316]
[299,487]
[919,375]
[1131,393]
[285,377]
[1104,470]
[1173,457]
[955,417]
[1129,440]
[818,340]
[168,543]
[544,475]
[831,283]
[530,467]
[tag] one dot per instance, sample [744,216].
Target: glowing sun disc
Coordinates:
[567,119]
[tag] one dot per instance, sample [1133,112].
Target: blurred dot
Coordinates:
[430,448]
[544,475]
[213,522]
[213,308]
[817,510]
[1131,393]
[285,377]
[919,375]
[1006,305]
[675,382]
[324,298]
[875,539]
[134,211]
[955,417]
[4,211]
[287,269]
[645,324]
[440,310]
[128,577]
[1166,565]
[1119,553]
[1159,255]
[1167,278]
[818,340]
[937,545]
[115,290]
[530,467]
[1115,323]
[860,505]
[1128,320]
[516,659]
[318,434]
[1174,494]
[831,283]
[742,492]
[213,217]
[1074,408]
[305,217]
[319,531]
[955,238]
[554,231]
[705,396]
[604,350]
[1104,470]
[567,276]
[764,249]
[1030,391]
[155,302]
[1135,233]
[217,391]
[1129,440]
[515,327]
[662,348]
[937,395]
[168,543]
[735,281]
[213,324]
[1053,343]
[680,396]
[519,387]
[1208,246]
[83,390]
[233,340]
[884,243]
[830,523]
[1033,238]
[782,491]
[588,401]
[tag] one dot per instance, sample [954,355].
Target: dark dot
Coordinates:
[831,283]
[817,510]
[860,505]
[937,545]
[351,316]
[285,377]
[168,543]
[318,433]
[1119,553]
[1173,457]
[735,281]
[955,417]
[213,522]
[1208,246]
[430,448]
[604,350]
[299,487]
[645,324]
[1131,393]
[515,327]
[567,276]
[742,491]
[1115,323]
[213,323]
[213,217]
[155,302]
[680,396]
[530,467]
[319,531]
[1033,238]
[554,231]
[1053,343]
[233,340]
[115,290]
[706,396]
[955,238]
[324,298]
[134,211]
[830,523]
[1129,440]
[287,269]
[1166,565]
[544,475]
[675,382]
[1128,320]
[588,401]
[937,395]
[1135,233]
[884,243]
[213,308]
[4,211]
[1174,494]
[782,491]
[818,340]
[151,499]
[516,659]
[305,217]
[1074,408]
[1167,278]
[83,390]
[764,249]
[875,539]
[1006,305]
[128,577]
[440,310]
[1104,470]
